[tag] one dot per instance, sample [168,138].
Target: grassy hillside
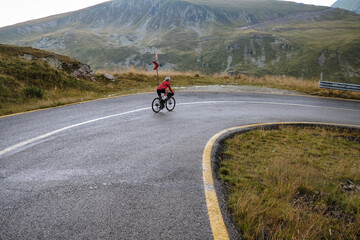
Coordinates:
[28,74]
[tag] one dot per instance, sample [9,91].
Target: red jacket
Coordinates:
[164,85]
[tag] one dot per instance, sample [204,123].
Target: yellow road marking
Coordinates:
[217,224]
[216,220]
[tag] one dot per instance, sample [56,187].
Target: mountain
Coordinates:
[234,36]
[351,5]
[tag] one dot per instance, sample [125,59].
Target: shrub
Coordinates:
[33,92]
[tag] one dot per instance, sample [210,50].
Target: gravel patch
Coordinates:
[235,88]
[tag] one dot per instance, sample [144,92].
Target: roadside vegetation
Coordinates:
[46,87]
[27,82]
[294,182]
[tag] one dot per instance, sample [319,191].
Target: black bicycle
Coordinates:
[168,102]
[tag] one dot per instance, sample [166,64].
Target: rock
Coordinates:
[322,59]
[27,57]
[109,77]
[84,72]
[349,182]
[53,61]
[349,186]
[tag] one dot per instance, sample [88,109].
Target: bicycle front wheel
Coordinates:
[170,104]
[156,105]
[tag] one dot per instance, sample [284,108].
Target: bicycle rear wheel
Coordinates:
[156,105]
[170,104]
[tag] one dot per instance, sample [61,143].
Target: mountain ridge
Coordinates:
[351,5]
[251,37]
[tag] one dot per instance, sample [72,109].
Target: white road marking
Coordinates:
[9,149]
[32,140]
[271,103]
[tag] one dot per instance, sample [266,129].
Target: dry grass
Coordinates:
[308,86]
[190,78]
[294,183]
[137,81]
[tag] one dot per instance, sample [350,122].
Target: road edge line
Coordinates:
[45,135]
[131,94]
[70,104]
[217,223]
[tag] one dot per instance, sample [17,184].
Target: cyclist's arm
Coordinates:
[171,89]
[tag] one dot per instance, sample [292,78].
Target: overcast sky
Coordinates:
[16,11]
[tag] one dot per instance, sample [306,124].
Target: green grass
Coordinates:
[294,183]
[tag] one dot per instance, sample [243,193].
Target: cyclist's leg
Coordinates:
[159,93]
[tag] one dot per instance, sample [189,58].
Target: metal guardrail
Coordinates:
[340,86]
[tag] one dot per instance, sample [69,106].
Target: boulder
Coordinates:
[109,77]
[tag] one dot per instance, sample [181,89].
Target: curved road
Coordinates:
[113,169]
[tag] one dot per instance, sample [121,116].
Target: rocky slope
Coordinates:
[31,73]
[351,5]
[236,36]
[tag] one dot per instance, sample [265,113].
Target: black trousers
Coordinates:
[160,91]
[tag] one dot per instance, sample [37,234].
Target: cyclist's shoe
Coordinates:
[161,104]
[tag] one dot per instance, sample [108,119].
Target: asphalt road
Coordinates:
[113,169]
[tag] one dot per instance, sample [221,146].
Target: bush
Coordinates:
[33,92]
